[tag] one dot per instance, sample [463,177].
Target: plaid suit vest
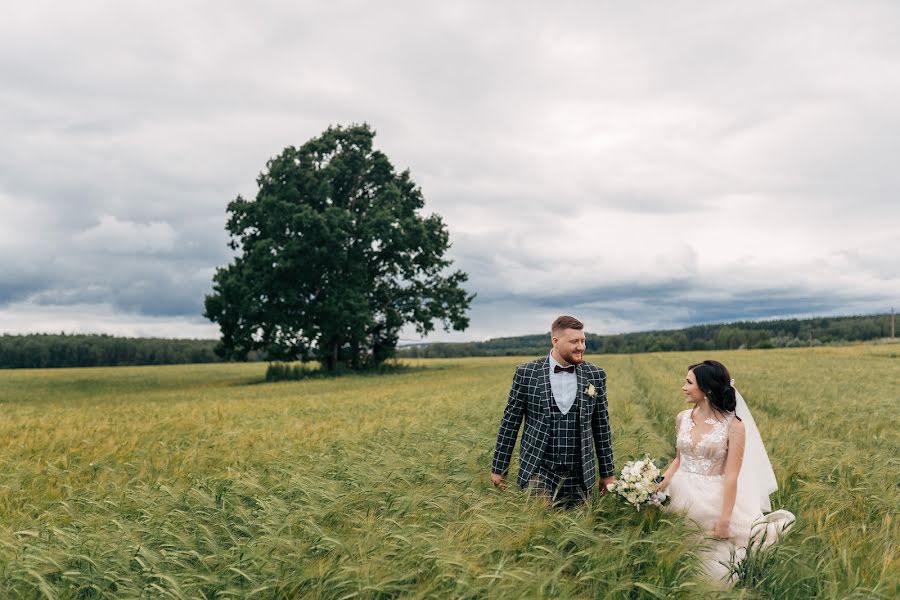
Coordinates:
[564,445]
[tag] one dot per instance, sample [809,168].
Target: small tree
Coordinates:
[333,259]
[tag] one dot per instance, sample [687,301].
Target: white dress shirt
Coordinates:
[563,385]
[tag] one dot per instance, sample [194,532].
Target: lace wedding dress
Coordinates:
[698,487]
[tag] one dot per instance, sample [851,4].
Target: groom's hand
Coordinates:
[604,483]
[498,480]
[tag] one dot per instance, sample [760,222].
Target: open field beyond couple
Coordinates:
[721,477]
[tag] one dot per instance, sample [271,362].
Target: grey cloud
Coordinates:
[152,288]
[125,237]
[16,287]
[638,157]
[666,306]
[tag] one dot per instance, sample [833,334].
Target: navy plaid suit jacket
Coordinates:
[529,401]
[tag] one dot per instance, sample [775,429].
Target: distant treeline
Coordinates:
[61,350]
[727,336]
[90,350]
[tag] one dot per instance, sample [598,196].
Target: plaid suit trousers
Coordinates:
[528,403]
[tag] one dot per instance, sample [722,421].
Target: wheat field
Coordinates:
[204,482]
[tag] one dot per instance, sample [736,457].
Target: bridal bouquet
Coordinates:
[639,483]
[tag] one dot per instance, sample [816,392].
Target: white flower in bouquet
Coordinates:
[639,483]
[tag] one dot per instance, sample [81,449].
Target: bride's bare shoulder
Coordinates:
[736,427]
[681,416]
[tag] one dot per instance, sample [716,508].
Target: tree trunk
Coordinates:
[354,357]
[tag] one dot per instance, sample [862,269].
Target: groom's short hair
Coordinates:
[565,322]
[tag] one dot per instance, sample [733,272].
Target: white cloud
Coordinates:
[113,236]
[25,317]
[656,166]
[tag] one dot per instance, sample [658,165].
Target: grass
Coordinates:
[297,371]
[200,482]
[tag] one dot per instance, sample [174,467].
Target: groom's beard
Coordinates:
[570,357]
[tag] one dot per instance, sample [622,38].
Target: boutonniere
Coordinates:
[590,390]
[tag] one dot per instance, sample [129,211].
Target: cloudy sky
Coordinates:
[640,167]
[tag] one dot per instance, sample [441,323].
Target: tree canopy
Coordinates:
[333,258]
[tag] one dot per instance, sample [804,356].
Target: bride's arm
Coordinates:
[673,466]
[732,469]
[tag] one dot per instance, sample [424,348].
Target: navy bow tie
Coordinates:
[559,369]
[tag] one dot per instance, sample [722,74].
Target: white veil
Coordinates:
[756,479]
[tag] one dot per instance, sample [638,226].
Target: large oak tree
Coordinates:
[333,259]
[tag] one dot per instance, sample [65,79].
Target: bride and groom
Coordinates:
[721,476]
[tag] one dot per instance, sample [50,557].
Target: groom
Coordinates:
[562,400]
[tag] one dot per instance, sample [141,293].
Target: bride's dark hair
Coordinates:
[715,381]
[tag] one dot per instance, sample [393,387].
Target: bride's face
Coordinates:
[692,393]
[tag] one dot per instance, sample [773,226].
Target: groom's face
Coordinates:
[569,344]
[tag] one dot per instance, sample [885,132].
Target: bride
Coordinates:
[721,476]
